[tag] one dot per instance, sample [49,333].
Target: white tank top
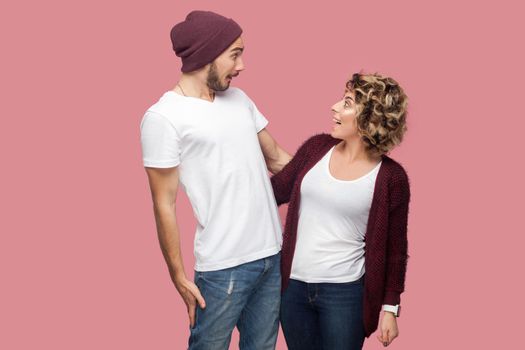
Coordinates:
[333,217]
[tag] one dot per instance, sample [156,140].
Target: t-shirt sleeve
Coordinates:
[260,121]
[258,118]
[160,141]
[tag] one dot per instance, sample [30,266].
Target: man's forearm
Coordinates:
[277,163]
[169,239]
[274,156]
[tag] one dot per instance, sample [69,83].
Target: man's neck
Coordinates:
[193,85]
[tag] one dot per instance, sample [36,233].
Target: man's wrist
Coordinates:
[178,275]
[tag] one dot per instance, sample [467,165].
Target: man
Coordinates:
[212,139]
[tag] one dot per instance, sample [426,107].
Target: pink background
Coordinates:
[80,263]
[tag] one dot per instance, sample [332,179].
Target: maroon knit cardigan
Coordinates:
[385,237]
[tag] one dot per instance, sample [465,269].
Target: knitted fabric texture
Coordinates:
[202,37]
[386,234]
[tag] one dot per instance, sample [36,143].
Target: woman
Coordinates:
[344,191]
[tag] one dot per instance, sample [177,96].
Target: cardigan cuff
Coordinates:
[392,298]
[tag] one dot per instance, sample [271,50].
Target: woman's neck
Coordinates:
[354,150]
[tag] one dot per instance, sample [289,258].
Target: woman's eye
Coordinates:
[347,104]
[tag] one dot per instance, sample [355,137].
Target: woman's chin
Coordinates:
[335,134]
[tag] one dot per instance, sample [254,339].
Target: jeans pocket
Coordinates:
[222,280]
[197,277]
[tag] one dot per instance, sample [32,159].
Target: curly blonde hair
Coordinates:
[381,107]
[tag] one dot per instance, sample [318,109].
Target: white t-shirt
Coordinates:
[222,170]
[333,217]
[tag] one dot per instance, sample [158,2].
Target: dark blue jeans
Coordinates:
[323,316]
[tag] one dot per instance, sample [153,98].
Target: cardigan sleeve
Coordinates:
[283,181]
[397,243]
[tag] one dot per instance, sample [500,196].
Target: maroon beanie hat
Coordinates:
[202,37]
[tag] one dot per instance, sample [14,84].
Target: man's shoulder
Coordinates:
[235,92]
[168,106]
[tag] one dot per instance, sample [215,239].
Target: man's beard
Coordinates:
[213,81]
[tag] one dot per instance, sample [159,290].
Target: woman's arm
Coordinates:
[397,244]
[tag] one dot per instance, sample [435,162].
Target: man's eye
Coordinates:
[347,104]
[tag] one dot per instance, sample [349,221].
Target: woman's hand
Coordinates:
[388,329]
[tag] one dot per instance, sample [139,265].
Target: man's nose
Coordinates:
[240,65]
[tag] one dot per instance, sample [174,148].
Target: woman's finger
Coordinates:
[386,337]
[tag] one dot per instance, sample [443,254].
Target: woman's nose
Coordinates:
[336,107]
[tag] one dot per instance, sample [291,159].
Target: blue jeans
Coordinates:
[327,316]
[247,296]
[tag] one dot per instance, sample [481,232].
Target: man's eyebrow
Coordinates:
[349,97]
[238,49]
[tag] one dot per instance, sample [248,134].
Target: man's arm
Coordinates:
[276,158]
[164,184]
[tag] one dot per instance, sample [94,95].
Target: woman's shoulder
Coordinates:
[314,144]
[396,171]
[319,140]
